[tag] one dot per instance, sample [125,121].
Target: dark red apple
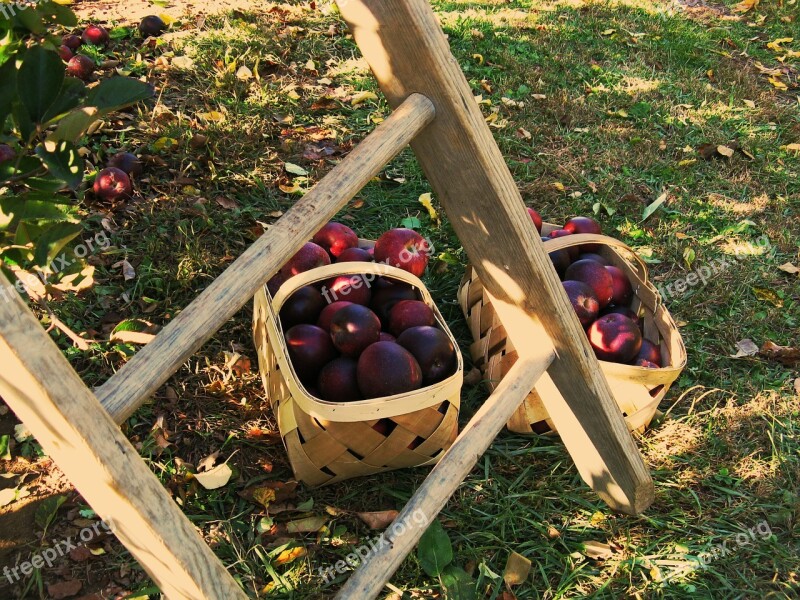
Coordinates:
[367,245]
[615,338]
[303,306]
[596,276]
[80,66]
[336,238]
[65,53]
[623,292]
[386,337]
[584,225]
[7,153]
[595,257]
[385,297]
[409,313]
[354,255]
[152,26]
[327,313]
[112,184]
[310,349]
[536,218]
[433,350]
[353,328]
[572,250]
[71,41]
[583,301]
[649,352]
[95,35]
[403,248]
[127,162]
[338,381]
[386,369]
[626,311]
[353,288]
[308,257]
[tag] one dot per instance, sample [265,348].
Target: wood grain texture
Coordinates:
[408,53]
[41,388]
[404,533]
[127,389]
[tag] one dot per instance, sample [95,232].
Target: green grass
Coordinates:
[629,90]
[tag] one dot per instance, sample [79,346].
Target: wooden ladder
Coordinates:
[434,111]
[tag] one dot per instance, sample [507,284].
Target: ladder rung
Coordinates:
[367,582]
[142,375]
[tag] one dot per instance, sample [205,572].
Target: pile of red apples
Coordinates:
[356,337]
[600,294]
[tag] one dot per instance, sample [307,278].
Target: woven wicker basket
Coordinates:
[637,390]
[331,441]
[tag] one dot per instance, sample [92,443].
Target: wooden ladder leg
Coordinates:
[408,52]
[404,533]
[43,390]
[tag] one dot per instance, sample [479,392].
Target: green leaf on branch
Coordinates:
[55,13]
[50,243]
[63,161]
[72,127]
[39,80]
[434,551]
[70,95]
[25,125]
[118,92]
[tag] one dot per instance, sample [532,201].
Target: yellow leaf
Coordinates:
[767,295]
[426,201]
[680,235]
[775,45]
[97,551]
[778,83]
[243,73]
[363,97]
[559,186]
[517,569]
[164,143]
[749,103]
[213,116]
[289,555]
[789,268]
[166,18]
[791,147]
[264,496]
[608,32]
[686,162]
[478,58]
[292,95]
[745,6]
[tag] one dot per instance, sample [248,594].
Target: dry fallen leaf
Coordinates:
[378,520]
[746,348]
[517,569]
[597,550]
[797,386]
[745,6]
[64,589]
[307,525]
[362,97]
[128,272]
[783,354]
[289,555]
[208,462]
[427,201]
[725,150]
[767,295]
[226,202]
[791,147]
[215,478]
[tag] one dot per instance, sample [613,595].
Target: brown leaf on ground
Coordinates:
[597,550]
[789,268]
[517,569]
[707,151]
[64,589]
[226,203]
[80,554]
[307,525]
[379,519]
[783,354]
[270,492]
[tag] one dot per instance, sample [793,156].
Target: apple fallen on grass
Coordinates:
[65,53]
[127,162]
[71,41]
[95,35]
[152,26]
[80,66]
[403,248]
[112,184]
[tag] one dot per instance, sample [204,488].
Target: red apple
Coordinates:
[622,290]
[327,313]
[338,381]
[303,306]
[95,35]
[112,184]
[71,41]
[65,53]
[353,288]
[595,257]
[626,311]
[308,257]
[584,225]
[7,153]
[386,369]
[433,350]
[152,26]
[386,296]
[336,238]
[403,248]
[386,337]
[615,338]
[572,250]
[355,255]
[595,276]
[536,218]
[369,246]
[310,349]
[649,352]
[409,313]
[80,66]
[353,328]
[583,301]
[127,162]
